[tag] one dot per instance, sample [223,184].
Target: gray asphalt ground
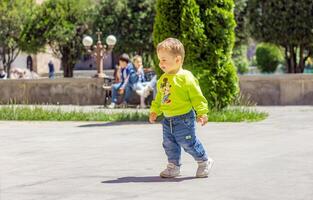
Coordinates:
[272,159]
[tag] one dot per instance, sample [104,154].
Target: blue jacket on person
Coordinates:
[135,77]
[129,70]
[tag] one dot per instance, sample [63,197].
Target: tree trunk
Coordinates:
[293,59]
[287,58]
[67,66]
[301,60]
[290,67]
[8,56]
[7,68]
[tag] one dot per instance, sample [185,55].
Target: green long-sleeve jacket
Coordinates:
[177,94]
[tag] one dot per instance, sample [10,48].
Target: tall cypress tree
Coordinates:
[219,74]
[166,23]
[206,29]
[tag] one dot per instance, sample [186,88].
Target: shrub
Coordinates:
[268,56]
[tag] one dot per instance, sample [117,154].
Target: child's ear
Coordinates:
[178,59]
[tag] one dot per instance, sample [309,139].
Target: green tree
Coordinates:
[189,29]
[219,74]
[130,21]
[207,31]
[239,55]
[286,23]
[61,24]
[241,18]
[166,23]
[13,15]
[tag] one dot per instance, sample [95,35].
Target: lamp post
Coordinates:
[99,50]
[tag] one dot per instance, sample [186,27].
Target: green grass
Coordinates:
[24,113]
[237,115]
[40,114]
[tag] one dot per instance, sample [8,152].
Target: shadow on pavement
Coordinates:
[147,179]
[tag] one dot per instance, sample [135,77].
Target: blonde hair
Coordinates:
[172,45]
[137,57]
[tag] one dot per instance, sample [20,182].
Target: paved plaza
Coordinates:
[268,160]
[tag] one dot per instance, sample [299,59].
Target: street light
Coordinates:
[99,50]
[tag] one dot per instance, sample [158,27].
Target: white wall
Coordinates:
[20,61]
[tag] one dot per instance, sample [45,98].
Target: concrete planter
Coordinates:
[289,89]
[294,89]
[82,91]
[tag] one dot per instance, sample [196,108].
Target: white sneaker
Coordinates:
[139,92]
[171,171]
[112,105]
[146,91]
[204,168]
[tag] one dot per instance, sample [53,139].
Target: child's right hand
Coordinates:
[152,117]
[121,91]
[203,119]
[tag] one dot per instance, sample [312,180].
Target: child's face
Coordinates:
[169,63]
[122,63]
[138,63]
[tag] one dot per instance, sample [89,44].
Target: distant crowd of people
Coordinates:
[18,73]
[22,73]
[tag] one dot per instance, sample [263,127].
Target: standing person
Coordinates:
[181,101]
[124,71]
[51,69]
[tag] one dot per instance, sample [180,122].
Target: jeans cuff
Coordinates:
[203,158]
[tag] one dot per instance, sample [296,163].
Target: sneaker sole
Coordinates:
[167,176]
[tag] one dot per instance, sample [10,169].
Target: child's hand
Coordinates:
[152,117]
[121,91]
[203,119]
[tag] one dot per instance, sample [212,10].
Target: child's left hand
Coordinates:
[203,119]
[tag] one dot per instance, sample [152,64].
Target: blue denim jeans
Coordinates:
[115,94]
[179,132]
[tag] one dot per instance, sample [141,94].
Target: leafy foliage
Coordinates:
[61,24]
[13,15]
[219,78]
[206,29]
[286,23]
[268,57]
[241,18]
[240,59]
[130,21]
